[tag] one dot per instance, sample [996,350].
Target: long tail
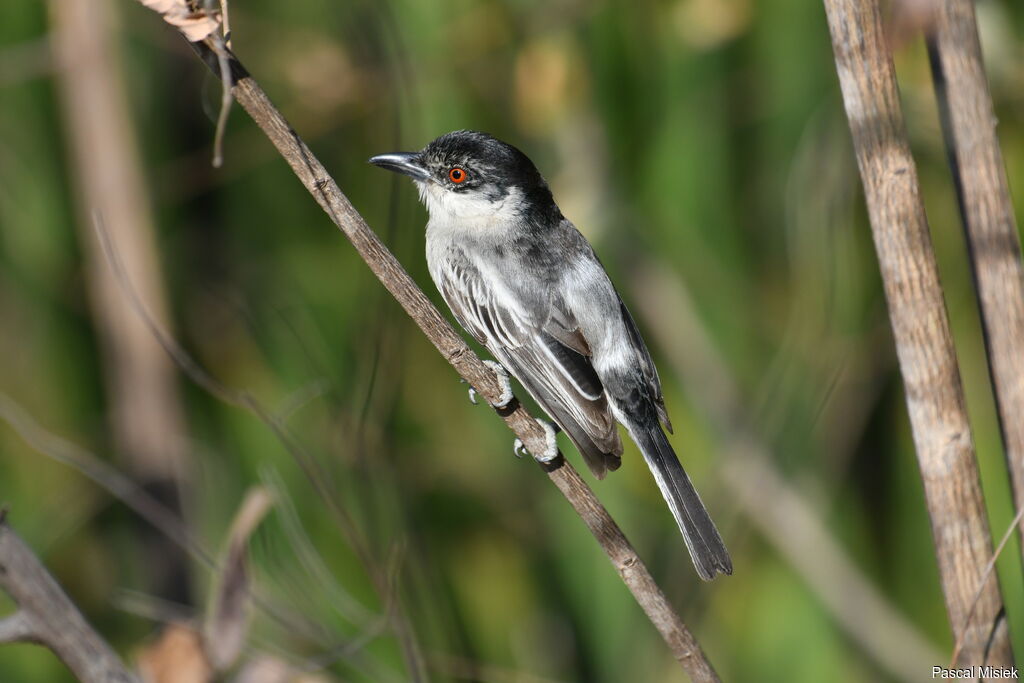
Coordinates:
[705,544]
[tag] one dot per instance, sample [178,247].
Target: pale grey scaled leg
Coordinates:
[503,381]
[506,396]
[550,444]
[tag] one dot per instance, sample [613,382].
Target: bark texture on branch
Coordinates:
[454,349]
[983,192]
[47,617]
[924,345]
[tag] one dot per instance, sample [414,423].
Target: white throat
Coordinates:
[468,211]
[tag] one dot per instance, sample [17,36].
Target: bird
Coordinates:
[527,285]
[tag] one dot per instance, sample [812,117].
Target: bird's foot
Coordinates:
[506,396]
[550,451]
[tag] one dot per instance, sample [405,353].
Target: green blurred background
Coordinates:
[701,146]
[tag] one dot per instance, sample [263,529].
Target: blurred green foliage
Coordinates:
[704,137]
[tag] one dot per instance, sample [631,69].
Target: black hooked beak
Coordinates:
[408,163]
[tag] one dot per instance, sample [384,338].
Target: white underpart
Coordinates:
[460,217]
[467,211]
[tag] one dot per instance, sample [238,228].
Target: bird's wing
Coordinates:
[647,367]
[549,358]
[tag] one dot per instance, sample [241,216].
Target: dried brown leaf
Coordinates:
[263,668]
[194,24]
[177,656]
[227,625]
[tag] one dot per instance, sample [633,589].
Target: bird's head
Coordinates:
[466,175]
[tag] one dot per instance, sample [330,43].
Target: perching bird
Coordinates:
[527,285]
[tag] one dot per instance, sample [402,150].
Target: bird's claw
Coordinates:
[506,396]
[503,381]
[550,451]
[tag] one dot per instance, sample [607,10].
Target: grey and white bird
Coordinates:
[522,280]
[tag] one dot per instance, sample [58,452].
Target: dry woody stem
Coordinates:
[453,348]
[145,414]
[47,617]
[924,345]
[969,127]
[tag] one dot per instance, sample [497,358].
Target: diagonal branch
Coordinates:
[454,349]
[46,616]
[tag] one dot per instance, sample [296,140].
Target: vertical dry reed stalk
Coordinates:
[969,127]
[146,417]
[924,345]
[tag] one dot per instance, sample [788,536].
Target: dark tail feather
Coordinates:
[702,538]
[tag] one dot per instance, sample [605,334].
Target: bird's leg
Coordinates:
[501,373]
[550,444]
[503,381]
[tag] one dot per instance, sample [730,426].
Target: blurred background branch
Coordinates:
[146,420]
[47,617]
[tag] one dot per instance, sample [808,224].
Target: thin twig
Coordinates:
[220,47]
[326,588]
[924,344]
[238,398]
[106,476]
[454,349]
[225,22]
[983,193]
[46,616]
[958,645]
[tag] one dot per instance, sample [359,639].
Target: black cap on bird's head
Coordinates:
[475,166]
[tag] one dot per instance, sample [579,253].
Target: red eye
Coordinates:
[457,175]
